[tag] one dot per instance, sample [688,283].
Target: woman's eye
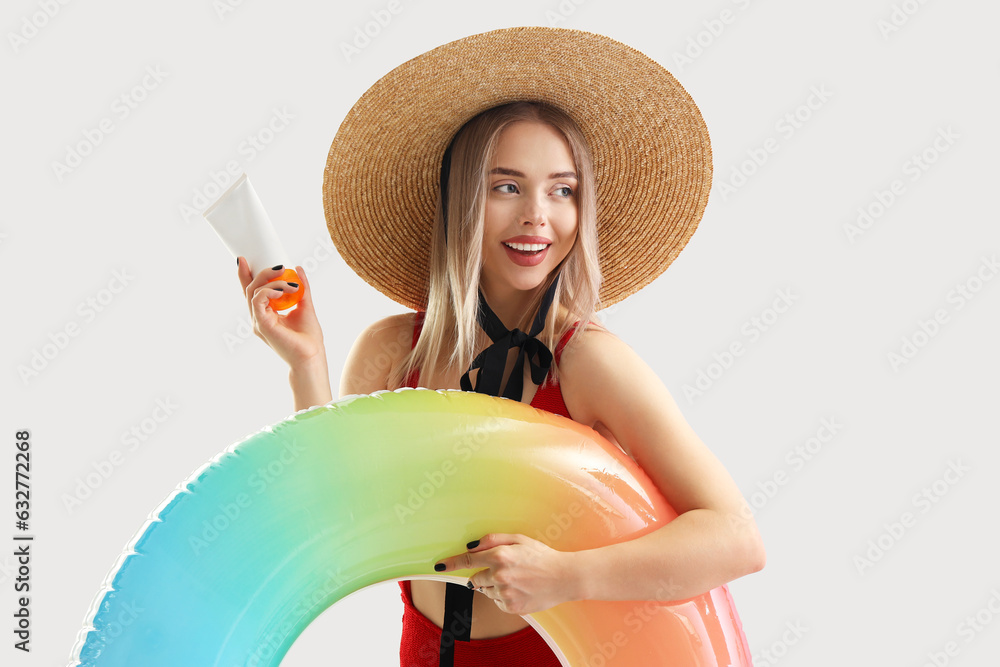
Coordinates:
[568,191]
[507,185]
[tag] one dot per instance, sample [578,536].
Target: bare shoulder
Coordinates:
[588,346]
[584,363]
[607,386]
[377,350]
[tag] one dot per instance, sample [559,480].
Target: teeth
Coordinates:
[526,246]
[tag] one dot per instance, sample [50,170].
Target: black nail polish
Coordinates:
[293,285]
[277,268]
[278,288]
[438,567]
[237,261]
[472,545]
[469,585]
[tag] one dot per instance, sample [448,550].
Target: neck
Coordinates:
[510,304]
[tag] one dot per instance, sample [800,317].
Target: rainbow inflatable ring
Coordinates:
[367,489]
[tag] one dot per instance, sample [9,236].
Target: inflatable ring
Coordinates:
[278,527]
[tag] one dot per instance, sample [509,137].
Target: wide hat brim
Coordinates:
[650,146]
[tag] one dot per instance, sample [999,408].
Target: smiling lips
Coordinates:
[527,243]
[527,250]
[527,247]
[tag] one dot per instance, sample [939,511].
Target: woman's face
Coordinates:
[531,203]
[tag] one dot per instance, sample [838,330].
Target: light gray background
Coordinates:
[168,334]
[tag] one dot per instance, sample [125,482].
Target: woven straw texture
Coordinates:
[651,150]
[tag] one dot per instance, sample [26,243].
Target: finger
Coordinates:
[305,303]
[264,275]
[260,303]
[262,278]
[482,582]
[478,554]
[491,593]
[303,279]
[283,286]
[243,273]
[465,561]
[495,540]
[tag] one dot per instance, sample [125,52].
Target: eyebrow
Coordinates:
[514,172]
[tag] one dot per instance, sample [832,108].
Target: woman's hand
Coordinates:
[296,336]
[522,576]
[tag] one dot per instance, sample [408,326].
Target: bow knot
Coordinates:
[493,359]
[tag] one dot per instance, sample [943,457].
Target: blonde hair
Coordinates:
[451,336]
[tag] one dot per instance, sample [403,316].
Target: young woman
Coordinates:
[523,249]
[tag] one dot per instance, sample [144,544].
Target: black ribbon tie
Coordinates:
[457,624]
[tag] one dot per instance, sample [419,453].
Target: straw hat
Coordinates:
[650,146]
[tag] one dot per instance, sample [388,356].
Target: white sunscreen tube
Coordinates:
[243,225]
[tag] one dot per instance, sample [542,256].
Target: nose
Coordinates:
[534,210]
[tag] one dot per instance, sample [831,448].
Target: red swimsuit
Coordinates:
[421,640]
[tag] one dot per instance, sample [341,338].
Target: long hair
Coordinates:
[451,335]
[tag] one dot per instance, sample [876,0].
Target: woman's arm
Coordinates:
[377,350]
[713,540]
[295,336]
[310,382]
